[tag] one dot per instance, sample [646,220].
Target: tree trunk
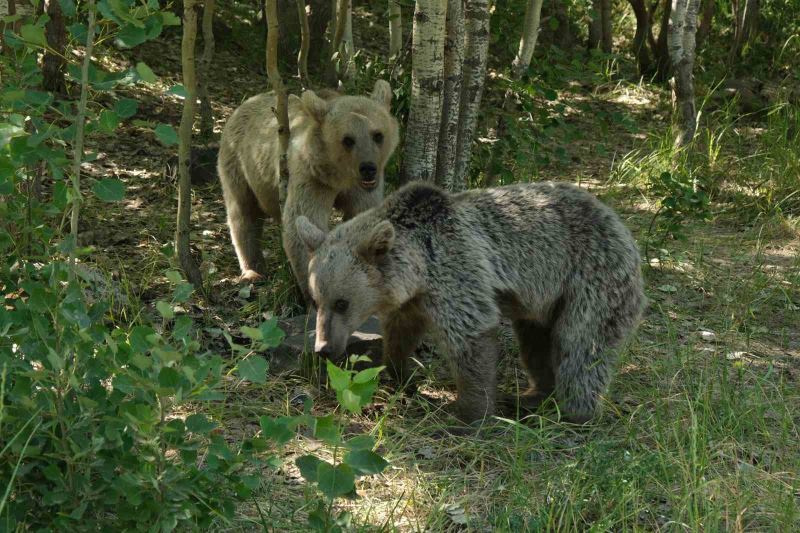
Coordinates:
[185,258]
[530,33]
[346,66]
[282,107]
[305,44]
[605,21]
[745,20]
[80,120]
[595,25]
[705,22]
[476,24]
[564,37]
[206,113]
[425,114]
[53,64]
[337,60]
[661,50]
[395,28]
[640,38]
[682,32]
[453,60]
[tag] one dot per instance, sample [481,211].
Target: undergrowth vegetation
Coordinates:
[130,401]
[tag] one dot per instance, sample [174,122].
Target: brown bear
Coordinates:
[337,153]
[550,257]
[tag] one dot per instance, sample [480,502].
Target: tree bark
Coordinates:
[745,20]
[395,28]
[53,63]
[476,24]
[530,34]
[185,258]
[453,60]
[661,50]
[337,60]
[682,33]
[346,65]
[640,41]
[595,25]
[305,44]
[282,108]
[206,113]
[564,36]
[708,8]
[427,67]
[80,121]
[605,21]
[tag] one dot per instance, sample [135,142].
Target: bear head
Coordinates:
[358,135]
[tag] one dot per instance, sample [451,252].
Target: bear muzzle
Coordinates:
[369,175]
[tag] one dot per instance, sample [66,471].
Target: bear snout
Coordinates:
[369,173]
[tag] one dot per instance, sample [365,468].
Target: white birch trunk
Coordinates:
[681,42]
[395,28]
[530,34]
[476,24]
[427,66]
[453,59]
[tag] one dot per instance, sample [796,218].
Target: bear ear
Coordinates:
[378,243]
[311,235]
[382,93]
[315,106]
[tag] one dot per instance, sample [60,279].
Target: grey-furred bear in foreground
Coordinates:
[548,256]
[338,149]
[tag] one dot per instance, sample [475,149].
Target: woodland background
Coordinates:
[131,398]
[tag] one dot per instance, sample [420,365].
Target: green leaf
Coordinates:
[276,430]
[361,442]
[254,369]
[182,292]
[33,34]
[168,18]
[198,423]
[365,462]
[130,36]
[173,276]
[326,429]
[166,134]
[109,190]
[108,121]
[308,465]
[251,333]
[335,481]
[169,378]
[145,72]
[138,338]
[350,401]
[68,7]
[364,391]
[165,309]
[126,107]
[271,335]
[177,90]
[370,374]
[338,378]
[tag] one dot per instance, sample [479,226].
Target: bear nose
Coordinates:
[323,349]
[368,170]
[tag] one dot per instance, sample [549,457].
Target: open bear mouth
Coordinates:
[370,183]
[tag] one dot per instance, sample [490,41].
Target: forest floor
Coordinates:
[699,430]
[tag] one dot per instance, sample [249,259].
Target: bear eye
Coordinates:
[377,137]
[340,306]
[348,142]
